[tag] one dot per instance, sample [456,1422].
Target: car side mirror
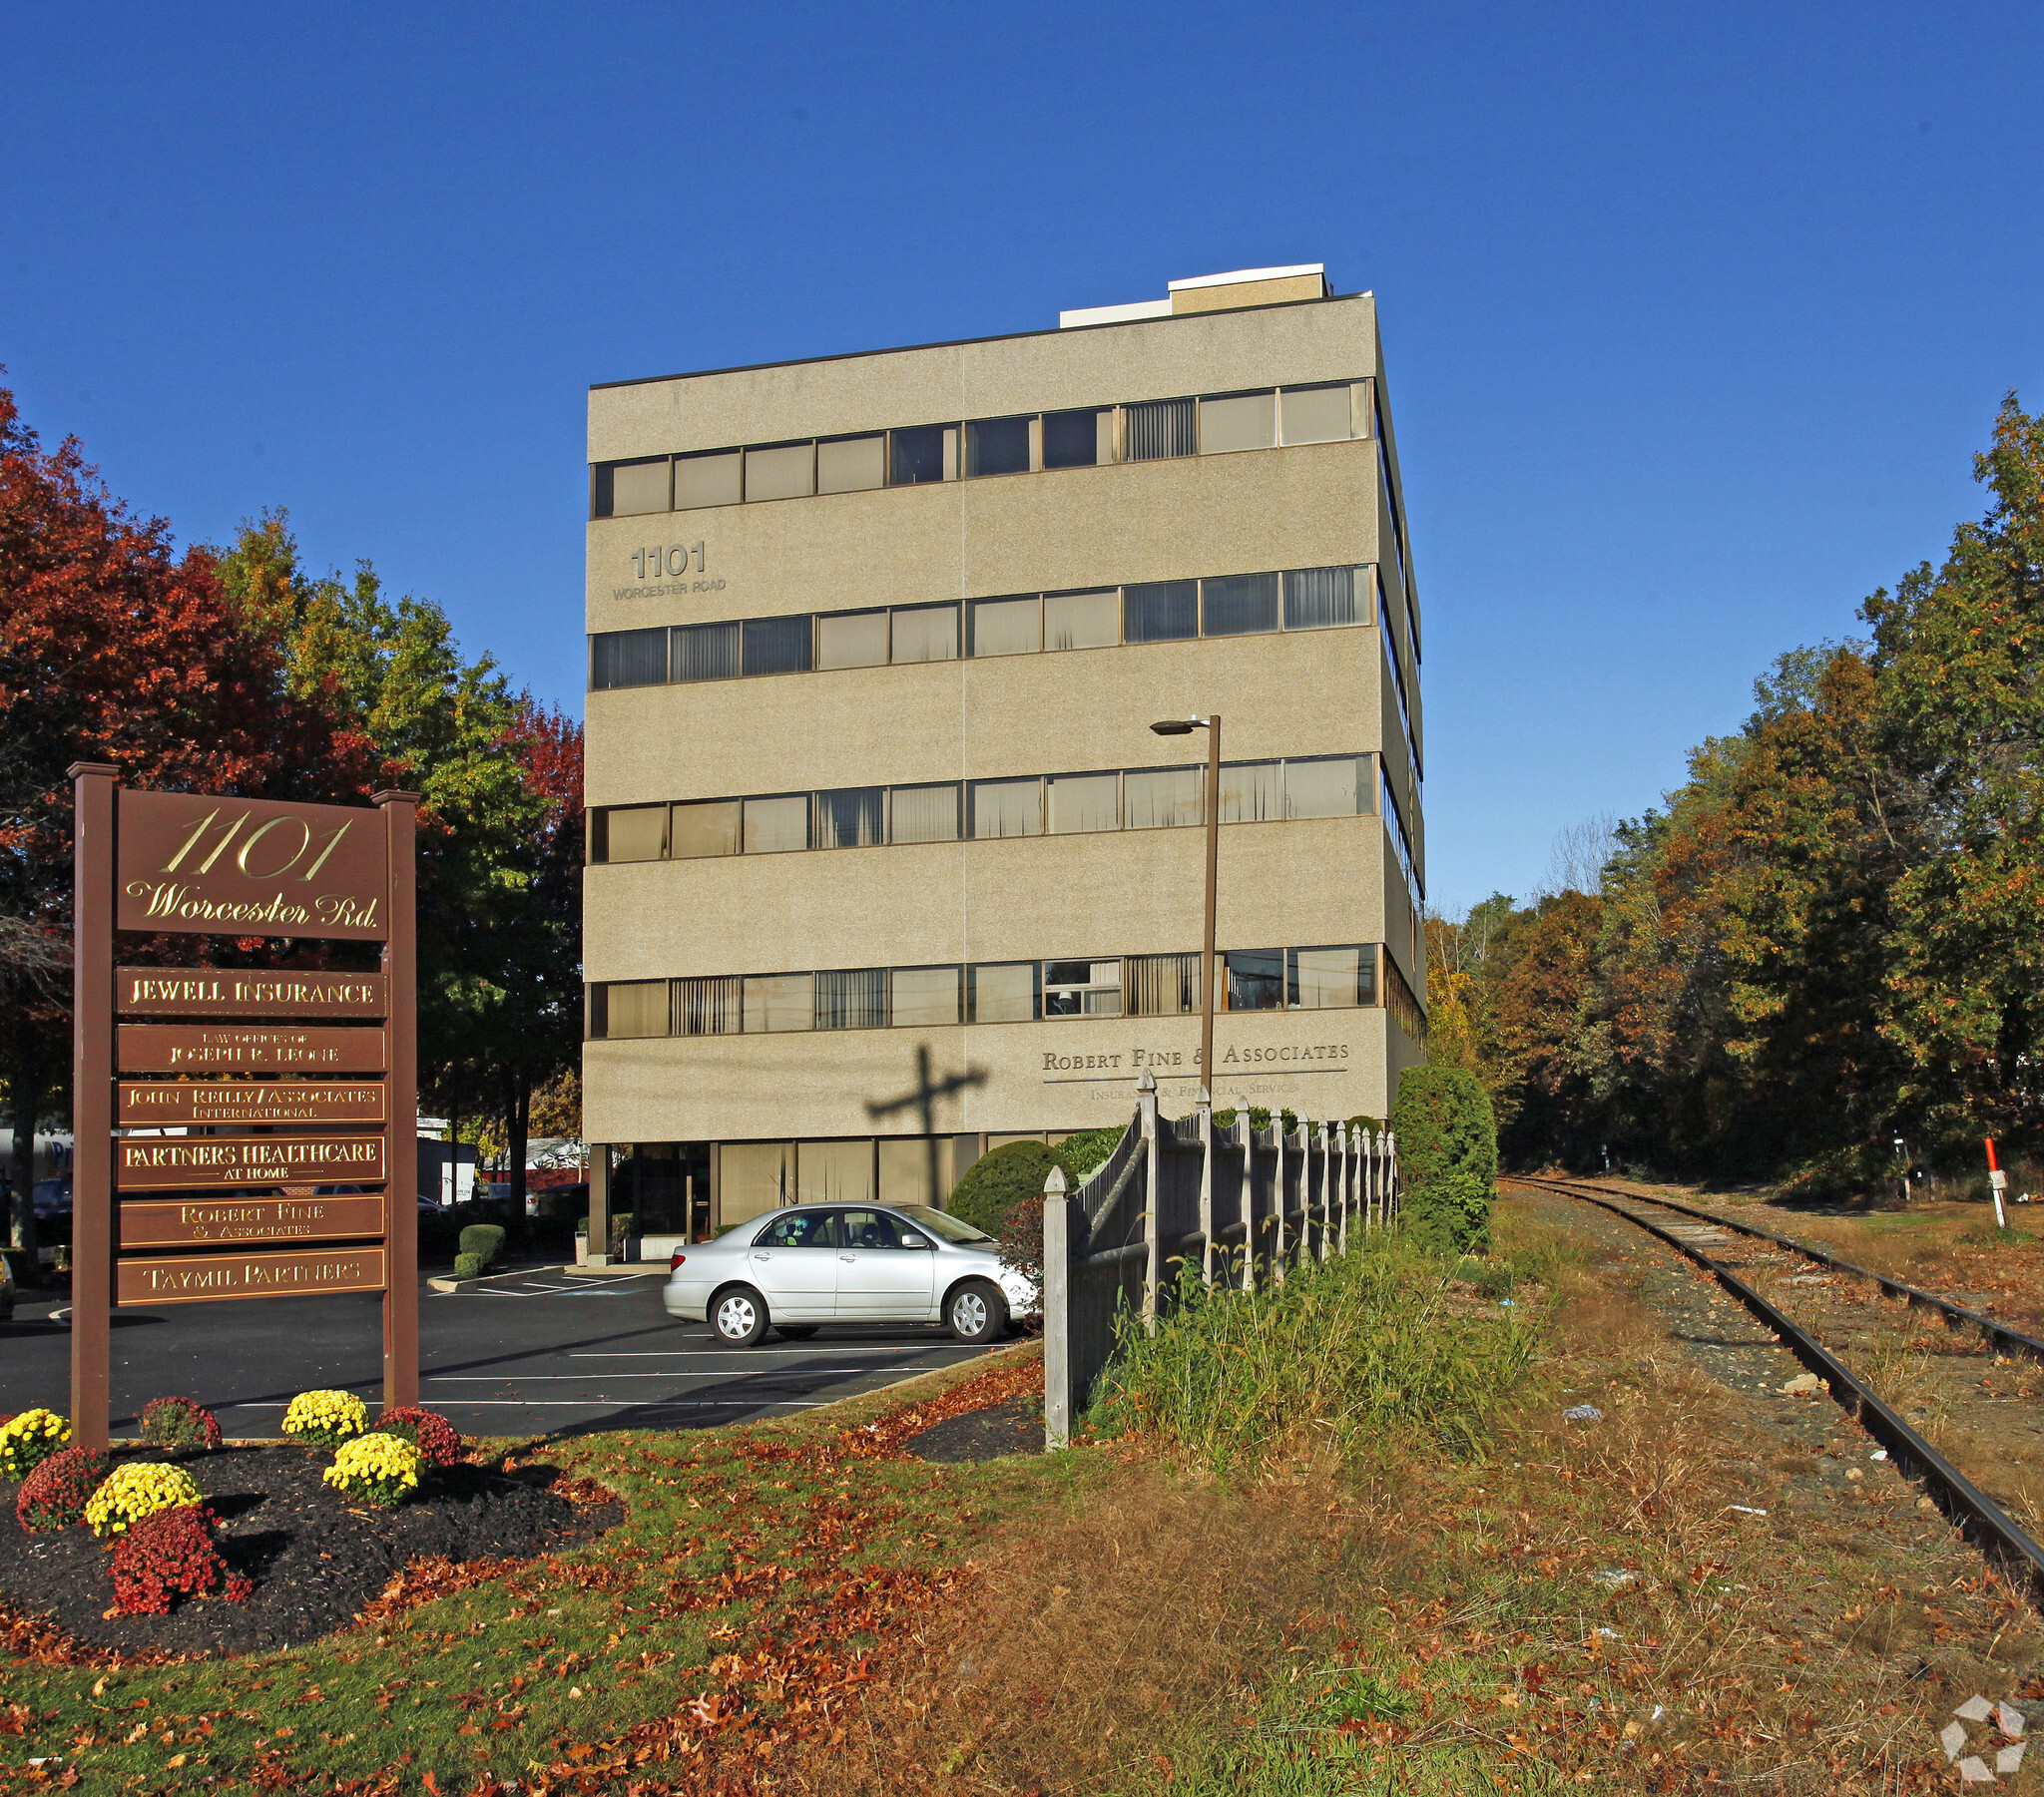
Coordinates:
[915,1241]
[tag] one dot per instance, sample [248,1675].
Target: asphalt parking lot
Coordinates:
[525,1353]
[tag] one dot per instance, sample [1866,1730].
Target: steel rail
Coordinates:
[1971,1510]
[1953,1312]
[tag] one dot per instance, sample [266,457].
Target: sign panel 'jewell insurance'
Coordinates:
[247,991]
[199,865]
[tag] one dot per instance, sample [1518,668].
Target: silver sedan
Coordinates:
[796,1269]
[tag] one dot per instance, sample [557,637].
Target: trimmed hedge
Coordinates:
[996,1182]
[484,1240]
[1447,1152]
[468,1266]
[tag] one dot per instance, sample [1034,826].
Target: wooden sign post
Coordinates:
[294,1093]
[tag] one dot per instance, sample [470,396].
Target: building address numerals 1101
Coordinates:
[653,561]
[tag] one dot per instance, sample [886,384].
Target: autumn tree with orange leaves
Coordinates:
[114,647]
[1833,932]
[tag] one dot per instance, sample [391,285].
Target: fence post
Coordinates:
[1057,1311]
[1391,1173]
[1245,1133]
[1278,1185]
[1318,1244]
[1146,1109]
[1371,1193]
[1204,1107]
[1347,1156]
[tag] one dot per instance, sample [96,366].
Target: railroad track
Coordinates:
[1977,1515]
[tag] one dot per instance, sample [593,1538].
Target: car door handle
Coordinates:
[762,1254]
[847,1259]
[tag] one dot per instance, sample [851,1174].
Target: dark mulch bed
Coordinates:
[1013,1426]
[316,1559]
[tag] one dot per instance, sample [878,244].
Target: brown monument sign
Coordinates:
[214,1220]
[189,1278]
[186,863]
[176,1102]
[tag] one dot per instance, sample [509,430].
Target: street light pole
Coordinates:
[1184,727]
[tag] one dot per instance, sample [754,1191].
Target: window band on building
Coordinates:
[1023,443]
[1339,977]
[1236,604]
[1056,804]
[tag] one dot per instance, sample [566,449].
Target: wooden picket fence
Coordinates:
[1244,1203]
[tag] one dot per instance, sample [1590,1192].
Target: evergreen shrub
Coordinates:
[178,1423]
[996,1182]
[484,1240]
[1447,1157]
[468,1266]
[55,1495]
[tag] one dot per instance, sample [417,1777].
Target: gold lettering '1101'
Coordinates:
[253,848]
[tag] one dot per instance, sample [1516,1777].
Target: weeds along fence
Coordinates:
[1244,1203]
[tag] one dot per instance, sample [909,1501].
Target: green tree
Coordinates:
[1447,1155]
[1959,654]
[500,785]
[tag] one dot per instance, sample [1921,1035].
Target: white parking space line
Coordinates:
[749,1353]
[733,1373]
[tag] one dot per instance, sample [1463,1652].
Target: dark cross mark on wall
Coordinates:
[924,1099]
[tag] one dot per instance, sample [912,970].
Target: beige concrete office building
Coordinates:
[886,864]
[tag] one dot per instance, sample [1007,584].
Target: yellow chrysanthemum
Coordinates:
[29,1438]
[328,1417]
[137,1489]
[383,1469]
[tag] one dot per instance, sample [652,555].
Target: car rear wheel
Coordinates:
[739,1316]
[797,1331]
[976,1311]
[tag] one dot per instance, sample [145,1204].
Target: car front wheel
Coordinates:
[976,1311]
[739,1316]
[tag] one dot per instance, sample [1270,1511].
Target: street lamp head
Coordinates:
[1178,726]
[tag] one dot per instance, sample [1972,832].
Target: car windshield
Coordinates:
[942,1224]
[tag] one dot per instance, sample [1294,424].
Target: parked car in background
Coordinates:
[798,1268]
[52,1197]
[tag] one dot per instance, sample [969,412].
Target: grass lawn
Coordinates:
[1360,1595]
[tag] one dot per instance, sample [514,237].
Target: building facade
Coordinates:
[886,864]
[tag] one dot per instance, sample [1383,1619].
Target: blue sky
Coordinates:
[1694,317]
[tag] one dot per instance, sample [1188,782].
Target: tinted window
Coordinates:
[1071,439]
[1162,427]
[624,489]
[997,446]
[916,456]
[778,644]
[627,658]
[1239,605]
[1161,612]
[943,1225]
[1255,979]
[800,1230]
[706,652]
